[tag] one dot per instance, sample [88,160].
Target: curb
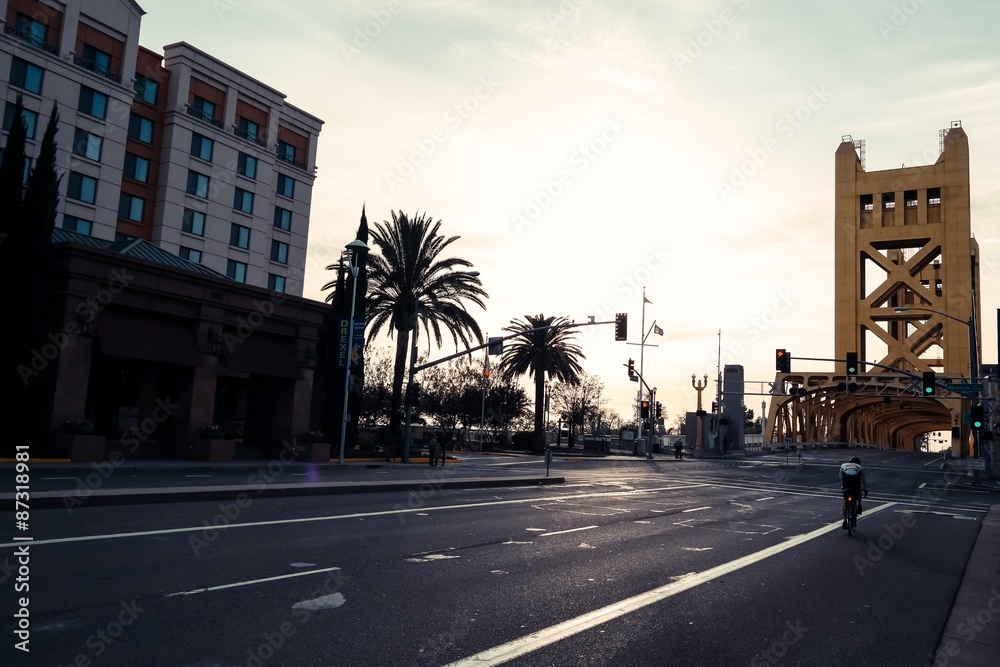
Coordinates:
[98,498]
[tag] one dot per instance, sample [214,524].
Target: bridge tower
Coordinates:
[903,240]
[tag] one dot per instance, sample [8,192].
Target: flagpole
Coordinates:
[642,354]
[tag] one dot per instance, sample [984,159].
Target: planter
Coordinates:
[313,452]
[79,448]
[204,449]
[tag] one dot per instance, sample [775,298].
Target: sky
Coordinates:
[587,150]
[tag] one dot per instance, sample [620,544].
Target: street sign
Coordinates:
[964,388]
[976,464]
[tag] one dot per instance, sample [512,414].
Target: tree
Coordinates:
[578,403]
[541,345]
[26,223]
[412,283]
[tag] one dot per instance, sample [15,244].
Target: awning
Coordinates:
[148,338]
[259,354]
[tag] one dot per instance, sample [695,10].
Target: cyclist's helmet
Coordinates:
[855,459]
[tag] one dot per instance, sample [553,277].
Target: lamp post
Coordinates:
[973,353]
[355,248]
[411,374]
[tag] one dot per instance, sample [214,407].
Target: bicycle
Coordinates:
[851,496]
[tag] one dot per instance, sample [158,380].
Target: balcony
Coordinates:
[203,116]
[292,161]
[250,136]
[30,39]
[96,68]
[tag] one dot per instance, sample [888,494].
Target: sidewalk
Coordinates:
[972,634]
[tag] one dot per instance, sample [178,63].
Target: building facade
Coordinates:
[181,150]
[180,242]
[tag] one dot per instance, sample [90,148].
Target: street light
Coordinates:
[408,412]
[971,323]
[355,248]
[973,353]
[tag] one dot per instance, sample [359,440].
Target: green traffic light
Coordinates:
[928,390]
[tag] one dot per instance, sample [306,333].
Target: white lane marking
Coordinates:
[331,601]
[251,582]
[302,564]
[430,557]
[696,509]
[922,485]
[951,514]
[763,499]
[563,532]
[547,636]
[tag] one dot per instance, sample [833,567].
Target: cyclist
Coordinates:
[852,476]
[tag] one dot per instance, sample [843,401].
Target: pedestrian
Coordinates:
[445,440]
[679,450]
[433,449]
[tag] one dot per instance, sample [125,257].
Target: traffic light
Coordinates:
[644,409]
[929,386]
[782,361]
[631,368]
[977,417]
[413,394]
[659,410]
[715,407]
[621,326]
[852,364]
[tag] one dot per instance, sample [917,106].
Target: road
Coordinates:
[629,562]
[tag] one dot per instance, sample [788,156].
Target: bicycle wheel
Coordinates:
[852,519]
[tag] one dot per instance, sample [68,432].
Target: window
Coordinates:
[30,120]
[248,129]
[78,225]
[867,203]
[201,147]
[933,196]
[92,103]
[910,199]
[286,152]
[889,200]
[81,188]
[96,60]
[26,76]
[239,236]
[136,168]
[131,207]
[87,145]
[282,218]
[246,165]
[279,252]
[31,30]
[197,184]
[140,128]
[286,186]
[243,201]
[193,222]
[275,283]
[190,254]
[203,109]
[237,271]
[146,89]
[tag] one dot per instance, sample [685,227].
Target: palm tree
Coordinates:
[411,283]
[541,344]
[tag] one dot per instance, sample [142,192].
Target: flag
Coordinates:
[645,300]
[486,368]
[657,330]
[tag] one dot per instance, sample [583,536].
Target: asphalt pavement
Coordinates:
[971,635]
